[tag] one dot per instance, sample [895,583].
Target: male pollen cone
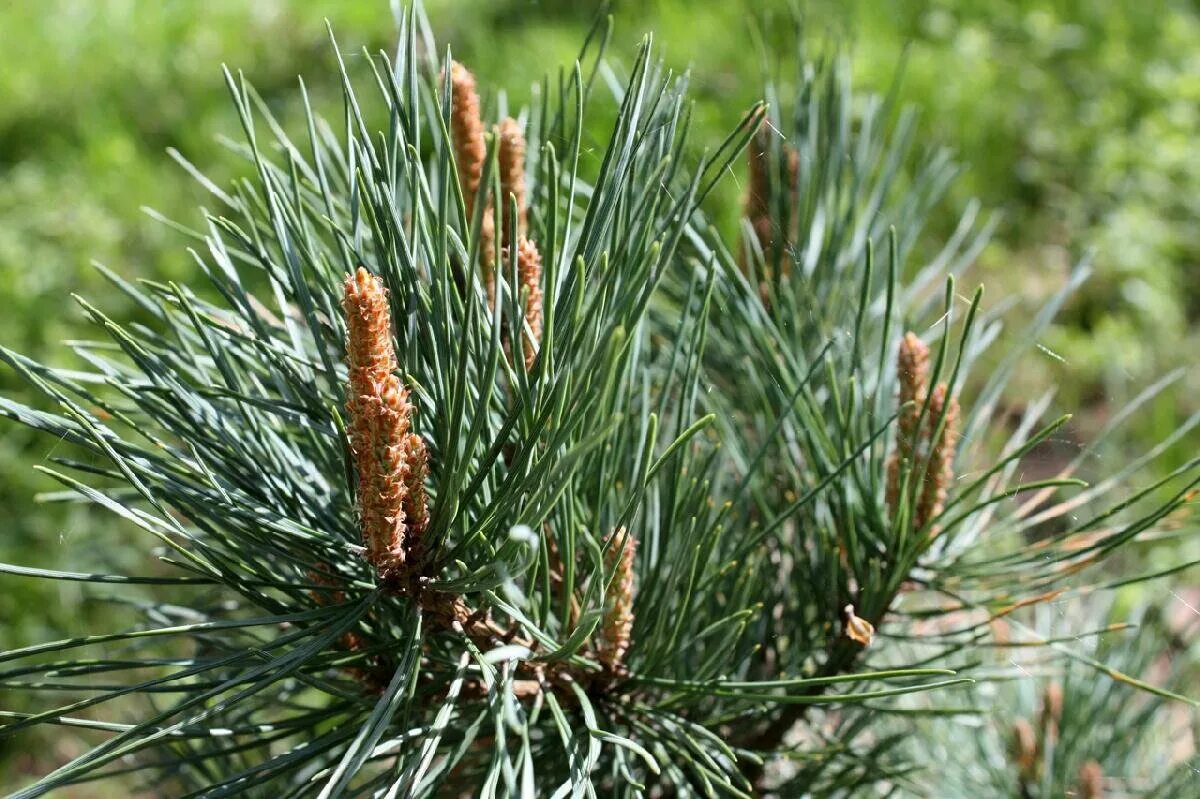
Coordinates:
[617,627]
[529,273]
[512,176]
[390,459]
[912,372]
[940,473]
[466,133]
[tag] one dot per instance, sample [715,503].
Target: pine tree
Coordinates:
[482,471]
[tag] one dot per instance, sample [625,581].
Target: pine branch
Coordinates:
[591,505]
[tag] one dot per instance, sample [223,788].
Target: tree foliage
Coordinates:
[491,470]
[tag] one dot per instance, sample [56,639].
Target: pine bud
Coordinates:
[389,458]
[618,611]
[466,132]
[858,630]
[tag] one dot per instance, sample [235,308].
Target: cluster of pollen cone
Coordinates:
[470,153]
[390,458]
[926,437]
[927,432]
[921,466]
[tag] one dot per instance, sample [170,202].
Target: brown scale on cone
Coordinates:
[617,626]
[466,133]
[511,159]
[940,472]
[912,372]
[390,459]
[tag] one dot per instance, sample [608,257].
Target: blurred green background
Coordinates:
[1077,120]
